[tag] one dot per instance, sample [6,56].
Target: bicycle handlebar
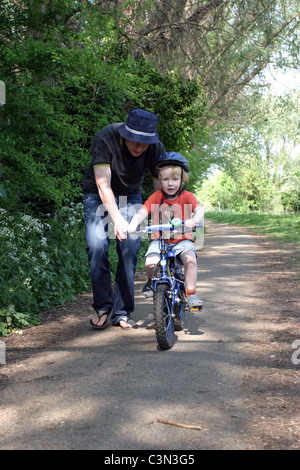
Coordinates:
[176,223]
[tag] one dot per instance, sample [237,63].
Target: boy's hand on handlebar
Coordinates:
[132,227]
[190,223]
[136,220]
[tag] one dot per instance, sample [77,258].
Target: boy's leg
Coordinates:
[151,262]
[189,261]
[152,258]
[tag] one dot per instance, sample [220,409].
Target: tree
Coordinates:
[51,108]
[223,43]
[259,150]
[67,74]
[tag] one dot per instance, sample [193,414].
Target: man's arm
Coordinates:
[103,182]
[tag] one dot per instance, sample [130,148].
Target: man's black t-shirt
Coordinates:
[109,149]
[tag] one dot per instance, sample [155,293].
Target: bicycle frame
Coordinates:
[169,298]
[169,290]
[169,263]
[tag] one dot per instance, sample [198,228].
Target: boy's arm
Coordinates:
[198,214]
[141,214]
[196,219]
[137,219]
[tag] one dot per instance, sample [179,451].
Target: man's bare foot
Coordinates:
[126,323]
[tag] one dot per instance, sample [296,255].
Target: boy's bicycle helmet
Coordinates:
[173,158]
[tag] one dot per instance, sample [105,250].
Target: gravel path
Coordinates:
[230,372]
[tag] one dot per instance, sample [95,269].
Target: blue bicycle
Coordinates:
[169,298]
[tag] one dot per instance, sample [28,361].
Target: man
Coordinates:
[121,154]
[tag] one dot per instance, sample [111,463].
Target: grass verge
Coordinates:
[283,228]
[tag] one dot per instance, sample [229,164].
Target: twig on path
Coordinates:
[283,425]
[187,426]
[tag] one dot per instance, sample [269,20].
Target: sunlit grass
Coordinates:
[284,228]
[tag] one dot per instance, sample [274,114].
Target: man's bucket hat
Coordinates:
[140,127]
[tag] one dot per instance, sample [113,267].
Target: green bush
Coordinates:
[43,263]
[66,76]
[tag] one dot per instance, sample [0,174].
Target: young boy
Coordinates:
[172,201]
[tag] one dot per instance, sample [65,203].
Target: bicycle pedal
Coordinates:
[194,302]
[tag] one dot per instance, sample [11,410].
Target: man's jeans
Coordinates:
[98,232]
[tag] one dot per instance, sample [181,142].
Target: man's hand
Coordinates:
[103,180]
[121,229]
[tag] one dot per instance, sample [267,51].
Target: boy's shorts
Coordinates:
[184,245]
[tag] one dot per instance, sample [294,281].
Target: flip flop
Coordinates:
[127,322]
[100,315]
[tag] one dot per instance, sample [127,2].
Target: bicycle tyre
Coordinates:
[163,321]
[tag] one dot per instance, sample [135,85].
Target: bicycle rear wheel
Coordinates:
[163,321]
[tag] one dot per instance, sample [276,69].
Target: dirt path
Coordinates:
[232,370]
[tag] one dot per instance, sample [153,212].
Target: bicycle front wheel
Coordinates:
[163,320]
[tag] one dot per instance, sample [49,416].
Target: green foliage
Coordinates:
[66,77]
[177,101]
[178,109]
[42,263]
[248,190]
[68,70]
[10,320]
[51,111]
[218,190]
[258,157]
[291,200]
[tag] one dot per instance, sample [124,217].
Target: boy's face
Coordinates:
[170,179]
